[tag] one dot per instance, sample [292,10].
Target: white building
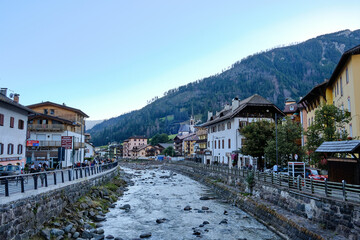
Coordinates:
[13,129]
[89,150]
[224,138]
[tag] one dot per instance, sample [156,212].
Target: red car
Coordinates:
[314,174]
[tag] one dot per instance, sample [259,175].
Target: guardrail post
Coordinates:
[343,189]
[289,181]
[54,178]
[35,181]
[85,171]
[22,184]
[80,172]
[46,183]
[272,178]
[69,172]
[298,182]
[6,187]
[76,172]
[326,186]
[312,185]
[62,177]
[279,177]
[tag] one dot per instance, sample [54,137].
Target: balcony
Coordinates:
[56,144]
[47,127]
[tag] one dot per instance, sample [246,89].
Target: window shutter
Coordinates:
[11,122]
[1,119]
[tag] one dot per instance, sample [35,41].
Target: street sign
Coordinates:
[66,142]
[32,143]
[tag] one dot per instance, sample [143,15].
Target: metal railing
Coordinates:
[46,127]
[26,182]
[298,185]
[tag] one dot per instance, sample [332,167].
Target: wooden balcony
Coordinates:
[47,127]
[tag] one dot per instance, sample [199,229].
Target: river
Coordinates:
[160,194]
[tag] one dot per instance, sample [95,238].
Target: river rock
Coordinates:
[68,228]
[197,233]
[187,208]
[86,234]
[56,224]
[118,238]
[84,206]
[99,225]
[45,233]
[92,214]
[98,236]
[204,208]
[109,237]
[201,225]
[76,235]
[73,230]
[112,205]
[56,232]
[224,221]
[205,222]
[145,235]
[204,198]
[99,218]
[161,220]
[125,207]
[100,231]
[87,226]
[225,212]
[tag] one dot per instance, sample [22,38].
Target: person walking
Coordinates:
[42,175]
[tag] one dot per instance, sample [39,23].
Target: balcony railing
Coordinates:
[52,143]
[46,127]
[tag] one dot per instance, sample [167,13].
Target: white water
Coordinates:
[153,198]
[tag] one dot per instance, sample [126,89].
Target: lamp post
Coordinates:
[276,139]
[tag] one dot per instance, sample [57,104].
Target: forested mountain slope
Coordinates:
[276,74]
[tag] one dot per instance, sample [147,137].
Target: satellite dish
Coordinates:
[11,95]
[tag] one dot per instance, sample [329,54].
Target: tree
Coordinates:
[169,151]
[329,125]
[257,135]
[289,133]
[159,138]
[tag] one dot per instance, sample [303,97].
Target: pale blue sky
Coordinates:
[109,57]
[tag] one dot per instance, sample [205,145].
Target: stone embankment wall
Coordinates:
[23,218]
[340,217]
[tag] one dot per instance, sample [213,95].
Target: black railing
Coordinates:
[26,182]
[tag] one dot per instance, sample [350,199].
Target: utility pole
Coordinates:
[276,139]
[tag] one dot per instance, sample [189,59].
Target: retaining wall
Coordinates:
[24,217]
[340,217]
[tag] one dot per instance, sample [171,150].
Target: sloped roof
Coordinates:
[192,137]
[166,145]
[339,147]
[48,103]
[253,101]
[184,128]
[315,92]
[40,115]
[343,60]
[12,103]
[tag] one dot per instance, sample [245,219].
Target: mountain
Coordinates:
[276,74]
[91,123]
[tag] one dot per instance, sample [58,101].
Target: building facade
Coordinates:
[13,130]
[47,127]
[224,138]
[132,144]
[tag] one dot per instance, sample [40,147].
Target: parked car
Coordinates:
[10,170]
[314,174]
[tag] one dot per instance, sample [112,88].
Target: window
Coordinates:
[223,143]
[341,87]
[292,108]
[347,75]
[208,144]
[215,144]
[12,122]
[10,148]
[1,148]
[242,124]
[21,124]
[219,144]
[20,149]
[349,105]
[52,111]
[1,119]
[45,111]
[229,143]
[229,125]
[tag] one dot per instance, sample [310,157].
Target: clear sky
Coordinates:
[109,57]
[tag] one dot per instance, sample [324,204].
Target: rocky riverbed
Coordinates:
[164,205]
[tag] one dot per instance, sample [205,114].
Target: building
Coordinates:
[224,138]
[13,129]
[189,145]
[340,90]
[132,144]
[48,126]
[201,143]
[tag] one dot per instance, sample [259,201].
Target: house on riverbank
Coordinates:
[224,138]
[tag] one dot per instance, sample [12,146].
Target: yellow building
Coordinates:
[189,145]
[340,90]
[344,87]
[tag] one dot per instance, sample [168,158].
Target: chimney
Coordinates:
[16,97]
[227,106]
[235,104]
[3,91]
[210,114]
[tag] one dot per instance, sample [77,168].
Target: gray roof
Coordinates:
[339,147]
[166,145]
[184,128]
[10,102]
[253,101]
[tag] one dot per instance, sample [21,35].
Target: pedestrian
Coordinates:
[42,176]
[275,168]
[32,168]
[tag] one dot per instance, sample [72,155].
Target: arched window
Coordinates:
[10,148]
[20,149]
